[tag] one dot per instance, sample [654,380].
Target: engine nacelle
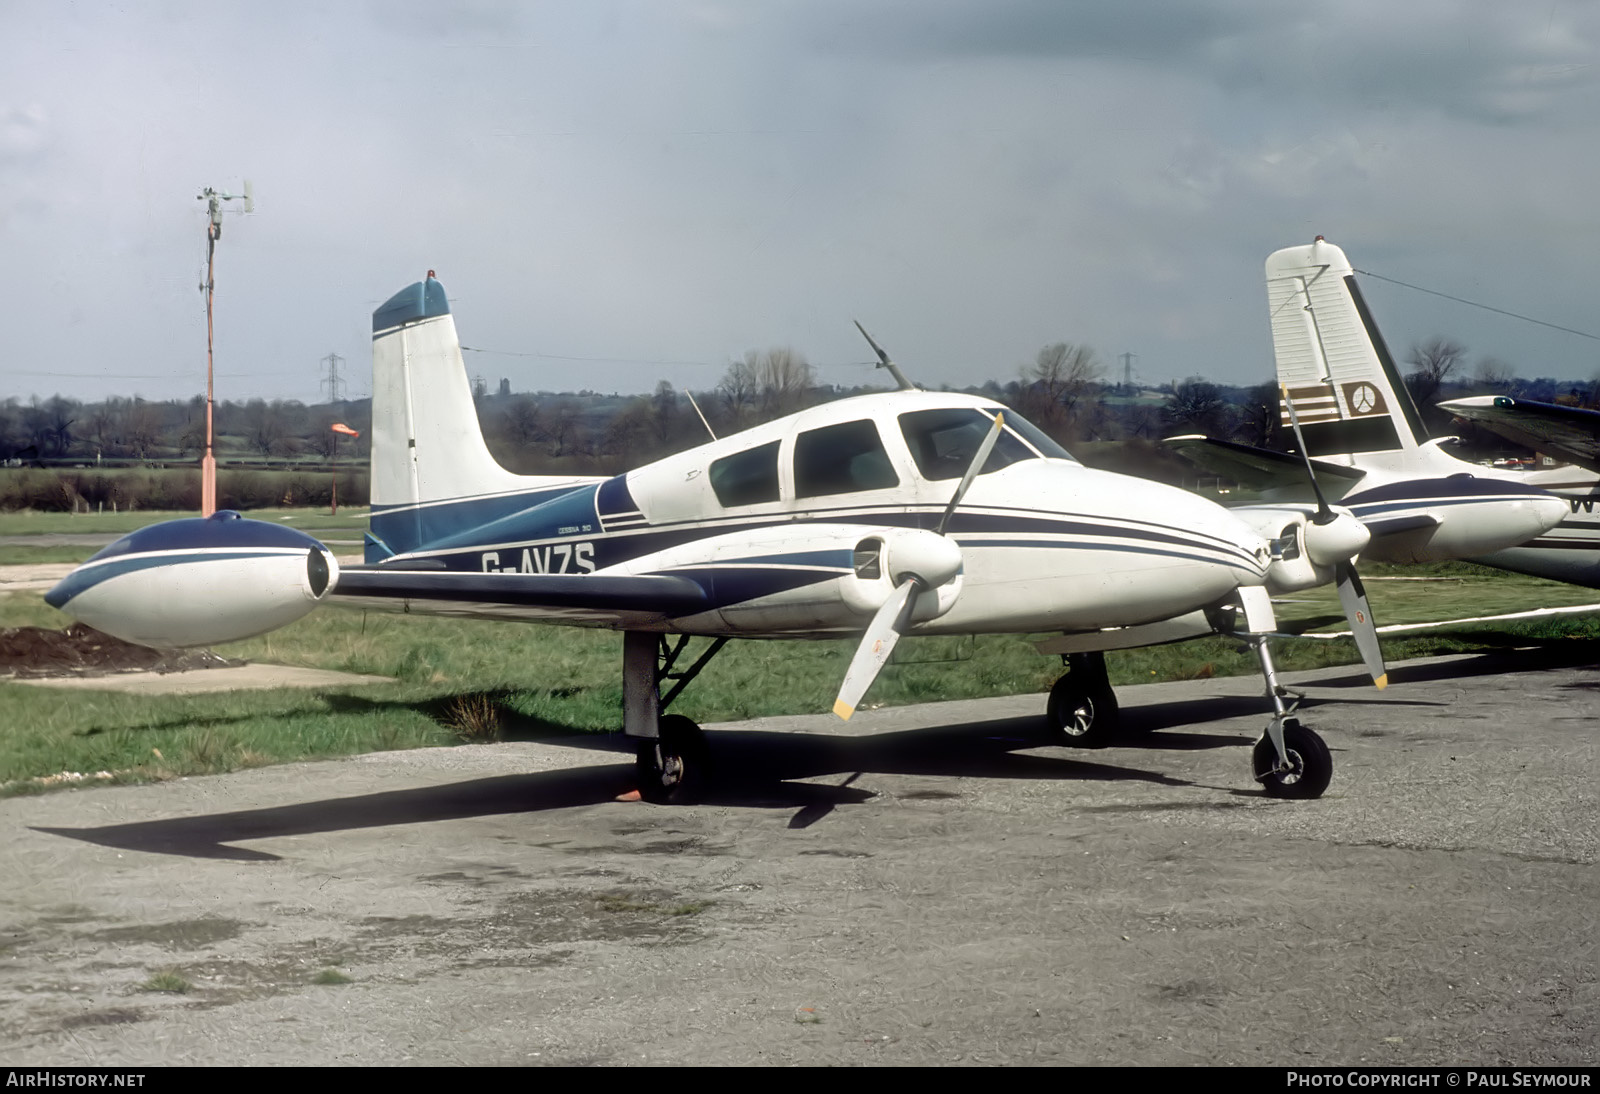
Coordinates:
[1305,552]
[885,558]
[199,581]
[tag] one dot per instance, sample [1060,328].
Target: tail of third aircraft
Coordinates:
[432,474]
[1332,359]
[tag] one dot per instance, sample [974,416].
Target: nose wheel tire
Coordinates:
[1310,764]
[1082,716]
[672,769]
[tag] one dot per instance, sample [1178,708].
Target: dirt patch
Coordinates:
[82,651]
[82,657]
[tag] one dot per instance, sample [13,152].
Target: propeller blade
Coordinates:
[979,458]
[1353,595]
[876,646]
[1324,513]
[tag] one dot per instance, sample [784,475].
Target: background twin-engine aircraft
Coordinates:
[904,512]
[1370,452]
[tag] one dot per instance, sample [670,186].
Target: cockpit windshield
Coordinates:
[944,441]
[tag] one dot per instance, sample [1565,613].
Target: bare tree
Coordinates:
[563,425]
[141,428]
[765,385]
[1196,406]
[1060,390]
[63,414]
[1494,376]
[664,411]
[266,428]
[1260,421]
[1434,361]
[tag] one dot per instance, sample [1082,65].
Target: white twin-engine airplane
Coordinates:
[1365,439]
[905,512]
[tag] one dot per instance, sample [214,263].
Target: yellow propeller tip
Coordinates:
[1382,681]
[843,709]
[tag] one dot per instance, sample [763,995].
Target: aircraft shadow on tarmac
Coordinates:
[1521,654]
[755,769]
[758,769]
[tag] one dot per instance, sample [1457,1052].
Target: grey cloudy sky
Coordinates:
[615,193]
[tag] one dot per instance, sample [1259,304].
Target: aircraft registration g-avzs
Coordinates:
[902,512]
[1366,443]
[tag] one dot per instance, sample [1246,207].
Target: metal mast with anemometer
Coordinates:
[214,200]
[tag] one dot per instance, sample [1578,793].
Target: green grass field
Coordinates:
[348,527]
[461,680]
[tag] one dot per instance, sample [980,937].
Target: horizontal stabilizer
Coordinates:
[1569,432]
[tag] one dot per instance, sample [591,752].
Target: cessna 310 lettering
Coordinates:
[903,512]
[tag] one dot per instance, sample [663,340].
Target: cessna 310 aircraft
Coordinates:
[903,512]
[1364,438]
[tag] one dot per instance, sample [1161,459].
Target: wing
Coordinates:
[598,599]
[1261,468]
[1569,432]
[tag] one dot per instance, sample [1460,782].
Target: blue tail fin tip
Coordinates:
[422,300]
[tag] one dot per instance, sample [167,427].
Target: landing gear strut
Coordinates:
[1290,761]
[671,757]
[1083,708]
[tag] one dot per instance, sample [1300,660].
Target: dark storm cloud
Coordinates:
[1486,61]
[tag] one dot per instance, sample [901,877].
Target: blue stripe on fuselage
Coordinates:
[91,574]
[410,526]
[1454,488]
[614,549]
[1363,510]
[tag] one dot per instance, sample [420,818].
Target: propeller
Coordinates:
[1352,594]
[894,617]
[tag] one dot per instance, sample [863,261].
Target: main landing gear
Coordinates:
[671,758]
[1289,761]
[1083,708]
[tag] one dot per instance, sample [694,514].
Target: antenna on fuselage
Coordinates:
[700,412]
[884,362]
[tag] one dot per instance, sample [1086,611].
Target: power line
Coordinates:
[594,360]
[1485,307]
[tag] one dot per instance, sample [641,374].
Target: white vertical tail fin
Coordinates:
[1331,358]
[432,474]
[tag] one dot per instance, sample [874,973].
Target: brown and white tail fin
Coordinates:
[1332,360]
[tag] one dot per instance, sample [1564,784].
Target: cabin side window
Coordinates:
[747,477]
[841,459]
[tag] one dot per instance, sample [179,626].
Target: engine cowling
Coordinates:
[199,581]
[886,558]
[1304,552]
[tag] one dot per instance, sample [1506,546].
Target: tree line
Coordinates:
[1064,391]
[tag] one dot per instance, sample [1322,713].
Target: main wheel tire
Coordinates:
[672,769]
[1310,763]
[1084,717]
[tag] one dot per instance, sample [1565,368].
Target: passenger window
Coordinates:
[747,477]
[841,459]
